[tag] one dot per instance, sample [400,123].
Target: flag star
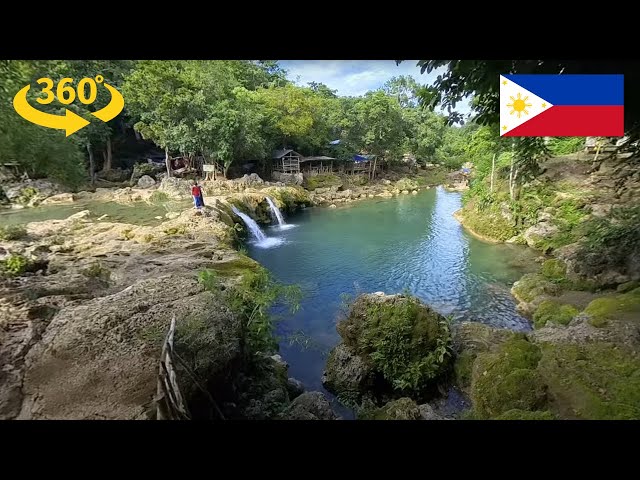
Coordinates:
[504,82]
[544,105]
[504,127]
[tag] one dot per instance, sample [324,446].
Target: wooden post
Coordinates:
[167,161]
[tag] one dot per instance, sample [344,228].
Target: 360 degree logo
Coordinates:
[69,122]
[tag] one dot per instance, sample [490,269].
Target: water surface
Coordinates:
[409,243]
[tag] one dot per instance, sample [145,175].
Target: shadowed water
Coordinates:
[410,243]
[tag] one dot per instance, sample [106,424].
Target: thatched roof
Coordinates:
[281,153]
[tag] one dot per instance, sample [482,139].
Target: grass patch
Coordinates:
[12,232]
[322,181]
[158,198]
[14,265]
[516,414]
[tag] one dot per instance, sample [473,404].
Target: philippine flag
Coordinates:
[561,105]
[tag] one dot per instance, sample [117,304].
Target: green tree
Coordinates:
[404,88]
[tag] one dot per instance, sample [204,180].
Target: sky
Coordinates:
[355,77]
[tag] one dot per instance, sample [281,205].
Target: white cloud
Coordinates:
[355,77]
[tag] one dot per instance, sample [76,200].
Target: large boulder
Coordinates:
[288,178]
[400,409]
[146,181]
[175,187]
[310,406]
[347,374]
[391,344]
[538,233]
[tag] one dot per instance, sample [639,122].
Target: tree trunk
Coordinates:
[167,161]
[493,170]
[107,159]
[92,165]
[511,180]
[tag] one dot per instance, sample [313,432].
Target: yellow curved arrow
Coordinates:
[70,122]
[114,107]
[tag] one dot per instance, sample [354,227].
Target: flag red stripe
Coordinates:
[571,121]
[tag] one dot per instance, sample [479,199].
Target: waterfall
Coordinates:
[251,225]
[276,214]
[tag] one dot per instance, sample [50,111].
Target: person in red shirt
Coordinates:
[196,192]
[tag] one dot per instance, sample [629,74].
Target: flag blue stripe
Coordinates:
[574,89]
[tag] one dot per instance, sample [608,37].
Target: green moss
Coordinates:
[533,285]
[516,414]
[489,222]
[322,181]
[462,368]
[506,379]
[628,286]
[148,238]
[554,270]
[12,232]
[603,309]
[401,409]
[237,267]
[128,234]
[158,198]
[596,381]
[26,194]
[407,342]
[181,230]
[550,311]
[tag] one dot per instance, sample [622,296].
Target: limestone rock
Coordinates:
[59,198]
[310,406]
[146,182]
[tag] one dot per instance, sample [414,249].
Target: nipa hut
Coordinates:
[316,165]
[285,161]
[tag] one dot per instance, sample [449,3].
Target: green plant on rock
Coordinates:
[14,265]
[97,270]
[181,230]
[554,270]
[128,234]
[209,279]
[158,198]
[407,342]
[322,181]
[26,194]
[552,312]
[12,232]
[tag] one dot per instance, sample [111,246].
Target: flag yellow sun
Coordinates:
[519,105]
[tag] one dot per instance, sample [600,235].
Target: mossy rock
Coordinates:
[322,181]
[533,285]
[628,286]
[406,342]
[12,232]
[601,310]
[597,381]
[554,270]
[488,223]
[516,414]
[506,379]
[401,409]
[553,312]
[406,184]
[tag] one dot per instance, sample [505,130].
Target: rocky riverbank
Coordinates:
[86,303]
[400,360]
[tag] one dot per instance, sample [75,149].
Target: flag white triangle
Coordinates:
[518,105]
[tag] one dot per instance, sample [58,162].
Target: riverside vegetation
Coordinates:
[85,299]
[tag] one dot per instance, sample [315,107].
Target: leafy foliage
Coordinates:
[14,265]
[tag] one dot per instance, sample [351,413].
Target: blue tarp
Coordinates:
[362,158]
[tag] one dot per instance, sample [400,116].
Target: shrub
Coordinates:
[12,232]
[158,197]
[181,230]
[14,265]
[322,181]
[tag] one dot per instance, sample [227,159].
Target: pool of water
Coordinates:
[138,213]
[409,243]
